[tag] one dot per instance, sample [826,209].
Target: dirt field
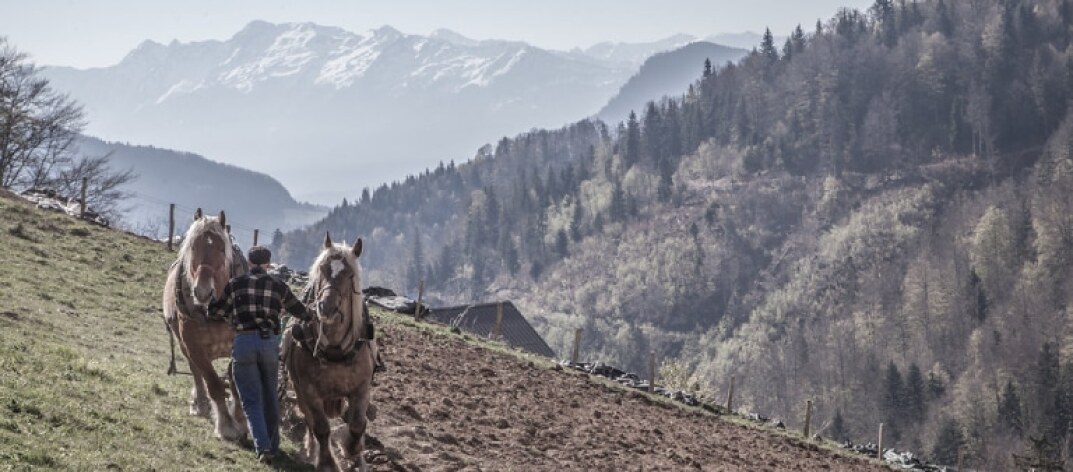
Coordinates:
[448,405]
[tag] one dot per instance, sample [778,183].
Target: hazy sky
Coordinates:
[91,33]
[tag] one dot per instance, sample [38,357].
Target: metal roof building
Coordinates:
[480,320]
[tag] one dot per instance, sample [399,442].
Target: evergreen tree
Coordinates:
[707,68]
[652,134]
[446,264]
[936,386]
[838,430]
[883,12]
[944,23]
[575,223]
[632,152]
[893,400]
[535,269]
[914,394]
[672,133]
[617,209]
[416,271]
[277,241]
[948,443]
[797,40]
[511,259]
[365,197]
[979,297]
[767,47]
[1009,410]
[561,243]
[1048,395]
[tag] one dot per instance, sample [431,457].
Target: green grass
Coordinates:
[83,354]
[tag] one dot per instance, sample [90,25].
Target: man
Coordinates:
[253,302]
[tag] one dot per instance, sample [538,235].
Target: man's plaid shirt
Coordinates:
[255,301]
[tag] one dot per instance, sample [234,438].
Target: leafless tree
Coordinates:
[39,128]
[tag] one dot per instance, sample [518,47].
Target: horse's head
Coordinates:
[206,253]
[336,279]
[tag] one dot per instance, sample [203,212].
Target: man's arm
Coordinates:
[221,307]
[293,305]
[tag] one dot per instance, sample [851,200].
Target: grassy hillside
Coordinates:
[82,385]
[83,354]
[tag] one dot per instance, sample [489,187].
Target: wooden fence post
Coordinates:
[651,371]
[82,207]
[577,346]
[879,447]
[171,226]
[499,321]
[730,396]
[808,417]
[255,232]
[420,295]
[961,458]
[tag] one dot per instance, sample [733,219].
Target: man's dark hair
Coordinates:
[259,255]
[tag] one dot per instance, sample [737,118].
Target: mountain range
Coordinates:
[277,97]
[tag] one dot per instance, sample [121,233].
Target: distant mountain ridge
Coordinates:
[666,74]
[276,97]
[252,200]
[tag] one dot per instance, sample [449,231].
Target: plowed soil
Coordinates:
[448,405]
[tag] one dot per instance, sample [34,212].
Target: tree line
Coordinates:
[873,214]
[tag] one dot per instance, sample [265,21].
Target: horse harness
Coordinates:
[180,299]
[309,337]
[309,334]
[237,268]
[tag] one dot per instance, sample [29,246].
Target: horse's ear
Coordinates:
[357,248]
[223,218]
[197,214]
[327,240]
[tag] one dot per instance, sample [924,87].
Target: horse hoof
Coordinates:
[198,410]
[229,433]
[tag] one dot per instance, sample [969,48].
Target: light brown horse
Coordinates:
[206,262]
[337,366]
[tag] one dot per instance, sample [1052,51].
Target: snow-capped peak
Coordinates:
[310,56]
[452,37]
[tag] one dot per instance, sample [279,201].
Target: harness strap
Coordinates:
[312,340]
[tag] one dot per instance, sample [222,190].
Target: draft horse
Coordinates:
[205,263]
[330,359]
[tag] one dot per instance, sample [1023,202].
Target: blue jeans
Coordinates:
[256,376]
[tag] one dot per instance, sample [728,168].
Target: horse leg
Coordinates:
[308,411]
[354,440]
[317,423]
[225,425]
[199,400]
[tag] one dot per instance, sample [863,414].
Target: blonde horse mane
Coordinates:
[205,224]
